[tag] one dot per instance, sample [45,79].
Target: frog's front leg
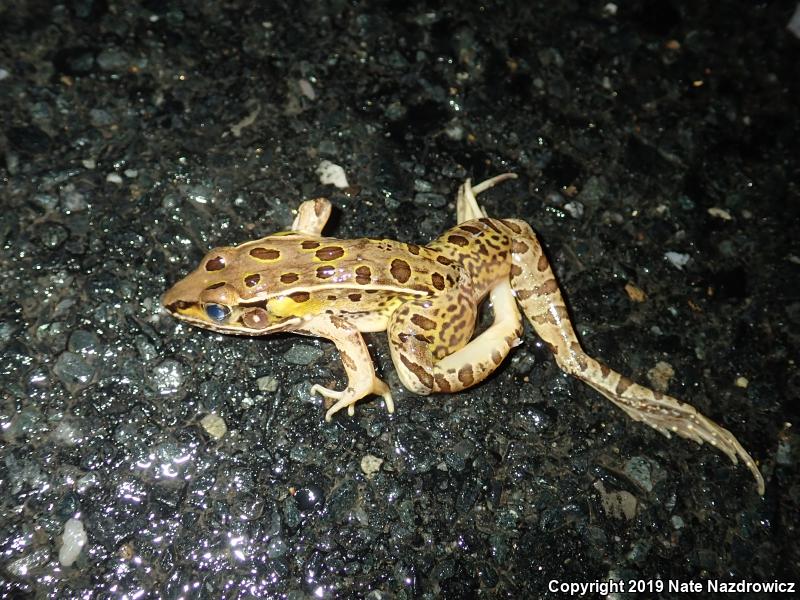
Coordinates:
[429,339]
[312,216]
[361,378]
[537,291]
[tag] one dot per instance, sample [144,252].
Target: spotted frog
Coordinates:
[426,298]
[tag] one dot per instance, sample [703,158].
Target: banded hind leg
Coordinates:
[537,291]
[436,355]
[430,342]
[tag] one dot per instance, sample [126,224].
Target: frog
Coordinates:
[426,298]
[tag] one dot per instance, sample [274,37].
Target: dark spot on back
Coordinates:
[438,281]
[325,271]
[309,245]
[458,240]
[252,280]
[363,275]
[330,253]
[214,286]
[512,226]
[470,229]
[215,264]
[264,253]
[354,297]
[300,296]
[400,270]
[443,260]
[289,277]
[413,249]
[490,224]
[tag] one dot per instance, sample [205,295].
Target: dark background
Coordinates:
[137,136]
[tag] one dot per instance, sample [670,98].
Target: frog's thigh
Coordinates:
[361,378]
[425,366]
[312,216]
[538,293]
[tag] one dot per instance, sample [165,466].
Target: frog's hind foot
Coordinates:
[664,413]
[467,207]
[335,401]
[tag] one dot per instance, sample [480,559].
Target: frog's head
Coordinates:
[221,296]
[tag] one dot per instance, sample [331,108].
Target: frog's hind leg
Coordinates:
[312,216]
[430,339]
[537,291]
[467,207]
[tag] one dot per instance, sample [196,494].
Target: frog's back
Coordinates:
[287,262]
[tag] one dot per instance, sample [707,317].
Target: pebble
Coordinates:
[74,539]
[276,548]
[46,202]
[167,377]
[413,445]
[574,209]
[639,470]
[100,118]
[113,59]
[617,505]
[332,174]
[267,384]
[83,342]
[660,375]
[23,566]
[303,354]
[72,370]
[677,259]
[370,465]
[309,497]
[430,199]
[73,201]
[214,426]
[52,235]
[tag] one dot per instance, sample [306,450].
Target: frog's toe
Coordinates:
[329,396]
[346,402]
[379,388]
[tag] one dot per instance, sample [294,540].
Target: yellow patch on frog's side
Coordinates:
[296,304]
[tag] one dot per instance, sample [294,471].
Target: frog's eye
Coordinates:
[217,312]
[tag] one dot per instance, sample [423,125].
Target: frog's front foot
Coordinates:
[336,401]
